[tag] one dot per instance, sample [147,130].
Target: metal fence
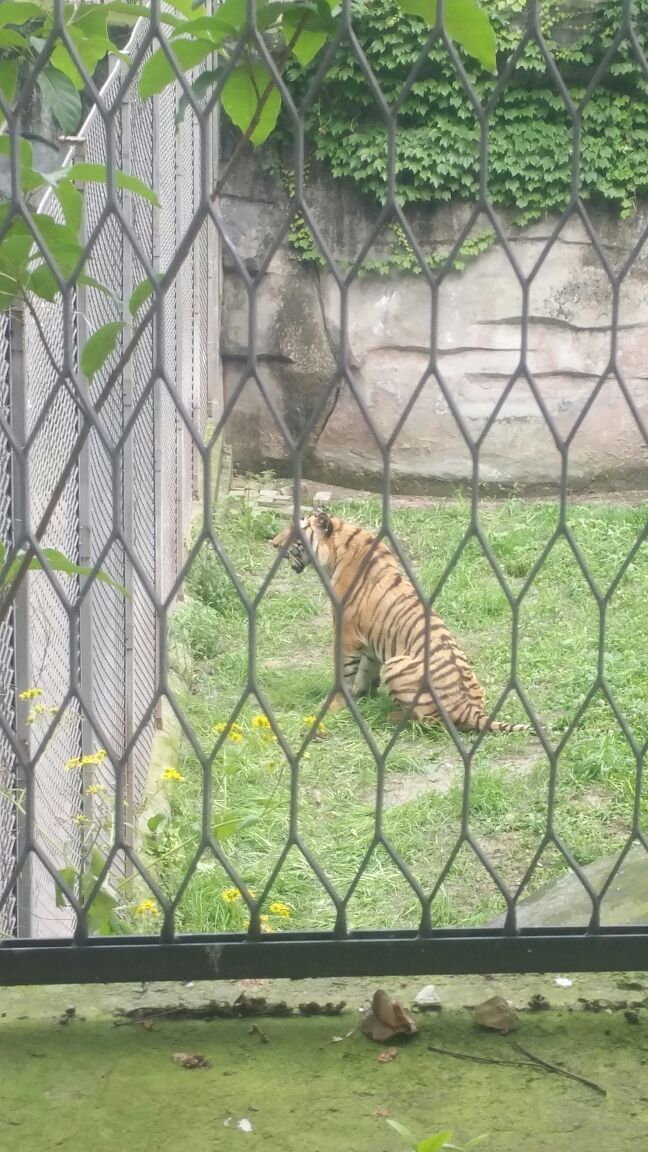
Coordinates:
[137,491]
[125,502]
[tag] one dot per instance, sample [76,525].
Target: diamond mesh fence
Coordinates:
[106,472]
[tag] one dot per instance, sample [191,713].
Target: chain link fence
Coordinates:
[138,482]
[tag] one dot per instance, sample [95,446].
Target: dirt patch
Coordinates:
[402,787]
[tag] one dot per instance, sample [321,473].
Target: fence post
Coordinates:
[180,368]
[197,415]
[129,496]
[214,372]
[86,676]
[158,342]
[21,630]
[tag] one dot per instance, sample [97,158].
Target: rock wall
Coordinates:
[402,335]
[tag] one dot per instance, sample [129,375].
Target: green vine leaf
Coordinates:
[60,94]
[158,71]
[247,101]
[99,347]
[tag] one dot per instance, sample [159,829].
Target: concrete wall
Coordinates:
[478,324]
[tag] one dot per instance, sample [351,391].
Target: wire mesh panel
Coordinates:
[8,815]
[236,857]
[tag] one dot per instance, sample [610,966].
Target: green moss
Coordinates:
[91,1085]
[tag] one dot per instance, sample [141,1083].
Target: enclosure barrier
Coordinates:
[106,473]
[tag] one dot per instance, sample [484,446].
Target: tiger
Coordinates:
[384,628]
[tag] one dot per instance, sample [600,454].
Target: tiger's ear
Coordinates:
[324,522]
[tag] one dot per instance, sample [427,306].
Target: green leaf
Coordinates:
[404,1132]
[98,174]
[61,240]
[71,202]
[307,44]
[156,821]
[158,72]
[61,96]
[234,824]
[100,913]
[200,87]
[69,877]
[24,148]
[58,562]
[465,22]
[8,80]
[241,98]
[9,283]
[16,12]
[90,282]
[434,1143]
[140,295]
[11,39]
[125,8]
[99,346]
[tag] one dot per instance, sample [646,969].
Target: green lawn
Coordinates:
[557,665]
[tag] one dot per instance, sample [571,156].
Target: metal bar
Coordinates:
[128,488]
[179,380]
[21,616]
[317,955]
[158,327]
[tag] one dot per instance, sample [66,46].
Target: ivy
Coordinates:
[531,134]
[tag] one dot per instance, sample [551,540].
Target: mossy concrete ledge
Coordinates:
[77,1076]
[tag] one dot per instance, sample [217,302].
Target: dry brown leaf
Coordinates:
[496,1014]
[388,1055]
[147,1025]
[380,1112]
[387,1018]
[189,1060]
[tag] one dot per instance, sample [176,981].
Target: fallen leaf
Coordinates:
[387,1018]
[187,1060]
[383,1112]
[147,1025]
[388,1055]
[256,1031]
[563,982]
[496,1014]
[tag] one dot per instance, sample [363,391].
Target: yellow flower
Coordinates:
[230,895]
[261,721]
[265,926]
[95,789]
[172,774]
[278,908]
[310,720]
[235,733]
[145,907]
[81,820]
[82,761]
[30,693]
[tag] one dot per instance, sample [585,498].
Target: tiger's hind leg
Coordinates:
[403,678]
[367,678]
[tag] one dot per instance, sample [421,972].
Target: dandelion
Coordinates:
[235,733]
[265,926]
[310,720]
[145,907]
[30,694]
[173,774]
[82,821]
[278,908]
[261,721]
[95,789]
[230,895]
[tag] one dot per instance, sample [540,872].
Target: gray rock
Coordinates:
[428,999]
[566,904]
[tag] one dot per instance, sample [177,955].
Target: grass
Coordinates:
[557,665]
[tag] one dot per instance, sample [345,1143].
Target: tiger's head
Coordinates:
[319,530]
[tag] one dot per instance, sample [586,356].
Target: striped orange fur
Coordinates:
[384,627]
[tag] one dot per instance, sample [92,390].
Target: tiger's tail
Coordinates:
[495,726]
